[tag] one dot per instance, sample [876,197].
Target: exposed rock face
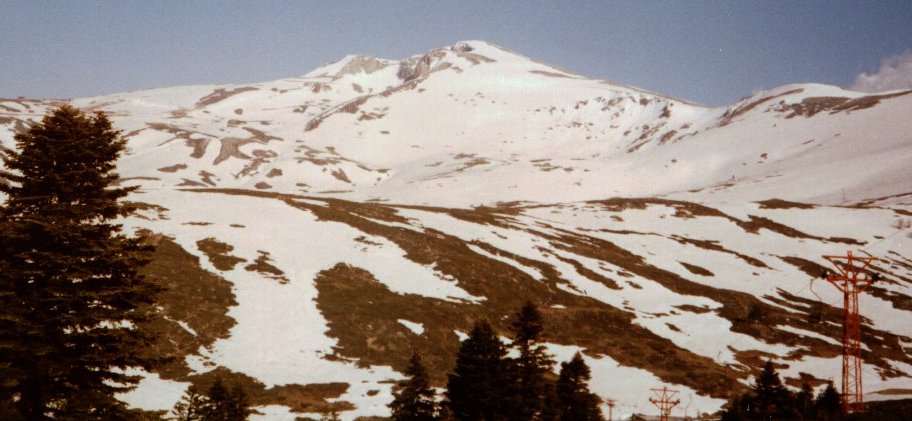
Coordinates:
[361,64]
[420,67]
[462,47]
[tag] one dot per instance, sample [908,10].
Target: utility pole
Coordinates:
[662,399]
[610,403]
[851,279]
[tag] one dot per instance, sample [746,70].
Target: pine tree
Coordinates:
[574,401]
[191,405]
[771,399]
[804,402]
[477,388]
[415,399]
[70,294]
[226,404]
[531,366]
[828,404]
[330,413]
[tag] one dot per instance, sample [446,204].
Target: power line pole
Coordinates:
[610,403]
[662,399]
[852,279]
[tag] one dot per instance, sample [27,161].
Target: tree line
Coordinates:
[488,385]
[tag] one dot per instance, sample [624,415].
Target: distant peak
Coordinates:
[350,64]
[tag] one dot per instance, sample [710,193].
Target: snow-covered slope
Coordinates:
[372,206]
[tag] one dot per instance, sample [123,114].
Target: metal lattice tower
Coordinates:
[851,279]
[664,399]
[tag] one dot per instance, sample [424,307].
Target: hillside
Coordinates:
[312,231]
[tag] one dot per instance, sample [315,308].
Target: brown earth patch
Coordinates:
[218,253]
[173,168]
[262,266]
[783,204]
[696,270]
[275,172]
[715,246]
[550,74]
[190,183]
[732,113]
[300,398]
[143,207]
[221,94]
[190,294]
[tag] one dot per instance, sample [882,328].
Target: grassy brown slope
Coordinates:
[189,294]
[201,299]
[585,322]
[588,323]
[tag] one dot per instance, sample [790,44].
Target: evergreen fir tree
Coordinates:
[70,293]
[530,367]
[804,402]
[414,401]
[477,388]
[574,400]
[771,399]
[191,405]
[330,413]
[828,404]
[226,404]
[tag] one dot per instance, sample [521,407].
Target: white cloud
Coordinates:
[895,73]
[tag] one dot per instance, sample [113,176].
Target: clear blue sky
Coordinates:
[709,52]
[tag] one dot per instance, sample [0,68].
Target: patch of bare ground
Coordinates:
[696,270]
[783,204]
[221,94]
[682,209]
[141,209]
[895,391]
[550,74]
[218,253]
[190,183]
[300,398]
[869,202]
[262,185]
[231,148]
[275,172]
[715,246]
[755,223]
[340,175]
[694,309]
[189,294]
[173,168]
[262,266]
[732,113]
[201,299]
[810,106]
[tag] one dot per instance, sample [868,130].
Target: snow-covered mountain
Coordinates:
[314,230]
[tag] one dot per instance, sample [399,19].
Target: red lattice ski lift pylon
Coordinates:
[664,399]
[852,278]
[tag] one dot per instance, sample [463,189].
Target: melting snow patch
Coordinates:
[418,328]
[153,393]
